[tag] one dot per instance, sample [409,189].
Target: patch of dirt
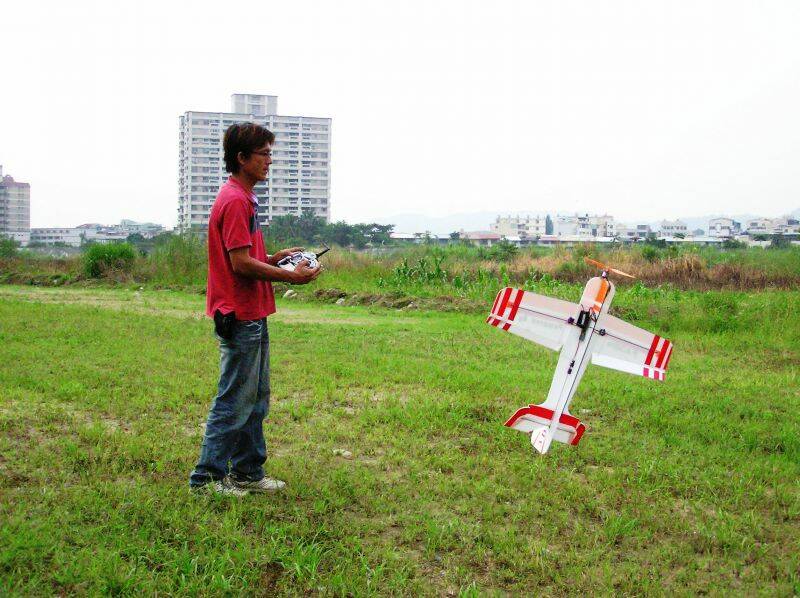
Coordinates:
[270,574]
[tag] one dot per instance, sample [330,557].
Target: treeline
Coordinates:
[307,229]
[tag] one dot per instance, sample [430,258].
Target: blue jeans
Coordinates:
[234,431]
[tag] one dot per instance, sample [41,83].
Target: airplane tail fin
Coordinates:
[536,419]
[540,439]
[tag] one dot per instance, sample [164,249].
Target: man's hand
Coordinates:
[279,255]
[303,274]
[244,265]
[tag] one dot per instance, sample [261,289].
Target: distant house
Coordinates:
[418,238]
[723,228]
[672,228]
[633,232]
[759,226]
[570,240]
[481,237]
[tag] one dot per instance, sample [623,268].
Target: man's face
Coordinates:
[256,166]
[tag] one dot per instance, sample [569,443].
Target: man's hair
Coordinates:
[245,138]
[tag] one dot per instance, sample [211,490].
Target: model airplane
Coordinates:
[583,332]
[290,262]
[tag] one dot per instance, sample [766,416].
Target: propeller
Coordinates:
[607,268]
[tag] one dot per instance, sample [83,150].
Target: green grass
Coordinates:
[689,486]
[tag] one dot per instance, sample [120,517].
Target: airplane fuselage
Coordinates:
[575,355]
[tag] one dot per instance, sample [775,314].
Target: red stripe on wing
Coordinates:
[504,302]
[514,309]
[652,350]
[663,353]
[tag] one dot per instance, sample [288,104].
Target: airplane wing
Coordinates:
[540,319]
[624,347]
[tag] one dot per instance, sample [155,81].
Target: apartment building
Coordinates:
[527,227]
[299,176]
[56,236]
[15,209]
[672,228]
[585,226]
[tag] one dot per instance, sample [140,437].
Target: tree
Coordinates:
[135,238]
[455,236]
[548,225]
[378,234]
[779,242]
[340,233]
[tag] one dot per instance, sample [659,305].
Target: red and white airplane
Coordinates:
[583,332]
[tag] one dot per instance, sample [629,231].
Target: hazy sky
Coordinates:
[643,109]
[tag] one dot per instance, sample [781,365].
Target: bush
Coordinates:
[733,244]
[650,253]
[8,247]
[100,259]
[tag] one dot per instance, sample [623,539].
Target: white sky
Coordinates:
[643,109]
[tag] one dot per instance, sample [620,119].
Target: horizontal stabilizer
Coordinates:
[533,418]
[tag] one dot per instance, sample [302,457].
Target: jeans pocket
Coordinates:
[249,331]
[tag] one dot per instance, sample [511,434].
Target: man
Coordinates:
[239,298]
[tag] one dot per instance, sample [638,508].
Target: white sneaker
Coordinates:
[225,486]
[263,485]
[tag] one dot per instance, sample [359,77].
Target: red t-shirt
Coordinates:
[234,224]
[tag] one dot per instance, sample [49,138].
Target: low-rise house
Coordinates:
[723,228]
[481,237]
[673,228]
[633,232]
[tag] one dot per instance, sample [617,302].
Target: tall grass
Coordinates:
[459,270]
[182,261]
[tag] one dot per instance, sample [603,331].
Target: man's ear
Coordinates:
[240,158]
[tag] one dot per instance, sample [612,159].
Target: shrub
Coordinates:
[733,244]
[650,253]
[100,259]
[8,247]
[503,251]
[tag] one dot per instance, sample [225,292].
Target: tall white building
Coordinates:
[299,176]
[15,209]
[585,226]
[519,226]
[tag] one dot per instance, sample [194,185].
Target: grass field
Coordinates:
[688,486]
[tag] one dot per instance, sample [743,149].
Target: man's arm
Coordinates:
[245,265]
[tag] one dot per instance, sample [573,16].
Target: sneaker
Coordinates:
[225,487]
[263,485]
